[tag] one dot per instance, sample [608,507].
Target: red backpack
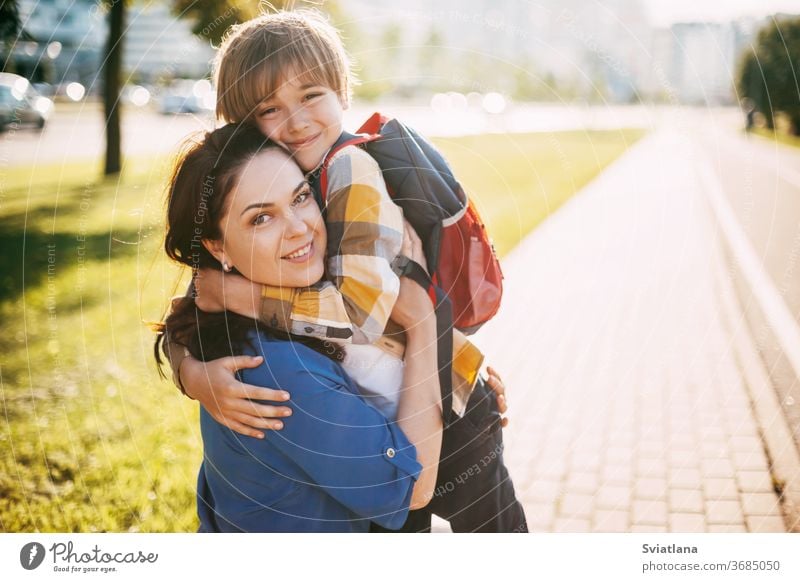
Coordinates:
[461,259]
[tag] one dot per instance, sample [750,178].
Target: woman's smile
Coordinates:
[301,255]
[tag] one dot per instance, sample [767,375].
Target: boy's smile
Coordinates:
[304,118]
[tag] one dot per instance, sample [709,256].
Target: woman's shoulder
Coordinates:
[287,362]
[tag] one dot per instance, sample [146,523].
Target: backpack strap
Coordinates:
[346,139]
[369,131]
[374,124]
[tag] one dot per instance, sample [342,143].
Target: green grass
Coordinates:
[517,180]
[92,438]
[779,136]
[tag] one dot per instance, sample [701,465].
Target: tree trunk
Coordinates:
[769,118]
[112,71]
[795,129]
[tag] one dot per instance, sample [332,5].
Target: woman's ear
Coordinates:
[215,248]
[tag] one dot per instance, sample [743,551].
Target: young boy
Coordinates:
[288,74]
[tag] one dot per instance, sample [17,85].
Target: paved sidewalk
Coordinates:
[628,410]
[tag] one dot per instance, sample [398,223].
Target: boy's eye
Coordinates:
[310,96]
[267,111]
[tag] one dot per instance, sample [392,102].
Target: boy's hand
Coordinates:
[217,291]
[229,401]
[413,306]
[496,384]
[412,245]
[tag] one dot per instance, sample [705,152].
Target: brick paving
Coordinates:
[628,410]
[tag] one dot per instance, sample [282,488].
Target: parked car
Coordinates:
[187,96]
[20,103]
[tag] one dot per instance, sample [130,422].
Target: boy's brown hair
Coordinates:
[256,57]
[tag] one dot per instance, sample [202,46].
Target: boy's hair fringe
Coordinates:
[257,56]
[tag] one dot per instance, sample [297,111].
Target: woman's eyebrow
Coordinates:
[257,205]
[262,205]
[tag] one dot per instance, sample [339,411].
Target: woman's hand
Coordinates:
[496,384]
[413,307]
[229,401]
[218,291]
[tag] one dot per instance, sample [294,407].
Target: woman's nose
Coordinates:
[296,225]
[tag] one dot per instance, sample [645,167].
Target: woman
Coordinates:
[238,201]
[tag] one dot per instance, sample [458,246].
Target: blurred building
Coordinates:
[697,60]
[158,45]
[546,50]
[67,41]
[69,36]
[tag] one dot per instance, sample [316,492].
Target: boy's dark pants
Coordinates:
[473,490]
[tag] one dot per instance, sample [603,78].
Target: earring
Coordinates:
[226,267]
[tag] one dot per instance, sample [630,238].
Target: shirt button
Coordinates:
[390,452]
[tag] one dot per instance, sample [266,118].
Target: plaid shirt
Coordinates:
[365,234]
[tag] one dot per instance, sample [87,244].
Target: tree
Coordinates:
[9,20]
[211,18]
[11,31]
[750,82]
[432,61]
[112,77]
[769,72]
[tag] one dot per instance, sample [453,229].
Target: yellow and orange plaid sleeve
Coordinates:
[365,234]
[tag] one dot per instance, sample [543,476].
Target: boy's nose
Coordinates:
[298,121]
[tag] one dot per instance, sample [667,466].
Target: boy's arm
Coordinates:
[365,234]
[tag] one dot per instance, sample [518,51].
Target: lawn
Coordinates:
[93,439]
[778,136]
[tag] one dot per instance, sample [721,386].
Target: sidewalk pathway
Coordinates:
[628,411]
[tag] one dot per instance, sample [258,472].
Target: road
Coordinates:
[77,132]
[628,407]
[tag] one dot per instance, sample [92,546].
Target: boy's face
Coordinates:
[306,119]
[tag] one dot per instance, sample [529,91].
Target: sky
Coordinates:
[664,12]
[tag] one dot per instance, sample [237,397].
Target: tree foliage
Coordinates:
[769,71]
[9,20]
[211,18]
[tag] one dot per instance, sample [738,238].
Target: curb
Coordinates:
[776,433]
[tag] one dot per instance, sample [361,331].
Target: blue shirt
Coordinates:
[337,464]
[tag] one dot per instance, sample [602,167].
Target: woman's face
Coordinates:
[272,229]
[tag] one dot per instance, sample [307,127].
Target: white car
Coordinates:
[21,104]
[188,96]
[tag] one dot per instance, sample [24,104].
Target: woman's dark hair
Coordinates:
[205,174]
